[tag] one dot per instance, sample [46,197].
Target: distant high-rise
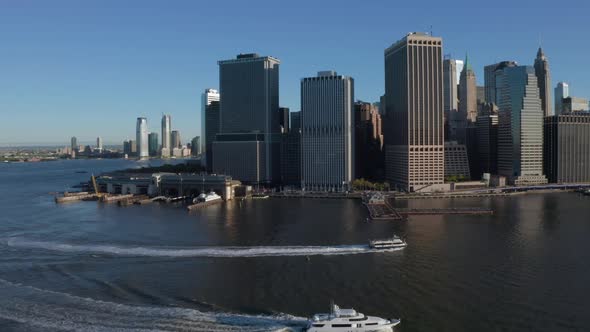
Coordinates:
[487,139]
[295,120]
[99,143]
[468,92]
[544,81]
[130,147]
[481,94]
[211,131]
[141,137]
[248,144]
[368,141]
[450,98]
[176,142]
[166,135]
[414,139]
[153,144]
[520,126]
[490,73]
[74,143]
[284,119]
[196,146]
[327,138]
[209,96]
[459,66]
[562,90]
[567,148]
[574,104]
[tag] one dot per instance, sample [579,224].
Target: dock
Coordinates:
[76,198]
[114,198]
[203,204]
[132,200]
[382,211]
[417,212]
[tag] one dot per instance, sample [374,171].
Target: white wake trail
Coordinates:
[228,252]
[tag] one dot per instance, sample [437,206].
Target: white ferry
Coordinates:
[390,243]
[349,320]
[212,196]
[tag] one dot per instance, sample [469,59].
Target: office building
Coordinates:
[520,126]
[490,73]
[130,148]
[291,157]
[487,139]
[567,148]
[456,161]
[414,139]
[141,137]
[450,95]
[459,68]
[295,120]
[74,143]
[209,96]
[99,143]
[175,139]
[247,146]
[368,141]
[562,90]
[544,82]
[327,137]
[196,146]
[468,93]
[211,131]
[153,146]
[166,135]
[284,119]
[481,94]
[574,104]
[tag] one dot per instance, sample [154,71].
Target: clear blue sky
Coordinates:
[90,68]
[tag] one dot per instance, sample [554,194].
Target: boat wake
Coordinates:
[56,311]
[229,252]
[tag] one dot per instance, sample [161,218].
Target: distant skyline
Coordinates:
[88,69]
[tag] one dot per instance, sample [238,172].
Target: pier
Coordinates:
[417,212]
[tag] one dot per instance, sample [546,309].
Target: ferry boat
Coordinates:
[390,243]
[348,320]
[212,196]
[259,196]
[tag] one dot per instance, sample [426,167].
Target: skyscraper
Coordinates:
[450,97]
[284,119]
[74,143]
[327,138]
[141,137]
[414,139]
[248,144]
[211,131]
[209,96]
[196,146]
[490,79]
[99,143]
[295,120]
[520,126]
[176,142]
[166,135]
[153,144]
[562,90]
[544,82]
[487,139]
[467,102]
[368,141]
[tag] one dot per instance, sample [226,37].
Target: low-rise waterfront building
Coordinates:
[456,160]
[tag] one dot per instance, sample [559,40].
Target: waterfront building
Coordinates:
[487,139]
[196,146]
[209,96]
[153,144]
[574,104]
[284,119]
[413,125]
[141,138]
[456,160]
[490,73]
[562,90]
[368,141]
[166,135]
[74,143]
[247,146]
[450,97]
[567,148]
[520,126]
[99,144]
[327,137]
[211,131]
[176,141]
[544,81]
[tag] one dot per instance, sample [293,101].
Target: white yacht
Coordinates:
[212,196]
[390,243]
[349,320]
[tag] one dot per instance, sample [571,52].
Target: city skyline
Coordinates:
[145,80]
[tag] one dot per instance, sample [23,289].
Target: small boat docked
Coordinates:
[389,243]
[212,196]
[348,320]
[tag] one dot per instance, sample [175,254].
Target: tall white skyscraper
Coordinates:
[166,135]
[142,137]
[99,143]
[562,90]
[327,139]
[459,64]
[206,98]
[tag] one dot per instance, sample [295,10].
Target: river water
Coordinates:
[264,265]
